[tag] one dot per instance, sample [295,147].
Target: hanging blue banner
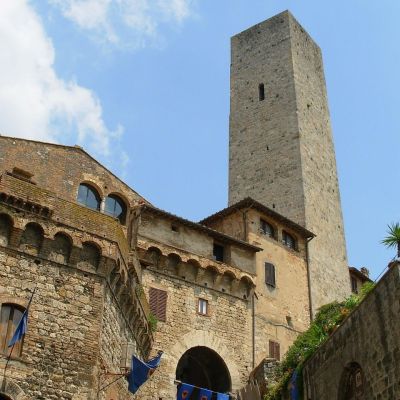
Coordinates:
[293,387]
[205,394]
[184,391]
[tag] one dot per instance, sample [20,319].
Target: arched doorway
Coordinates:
[203,367]
[352,383]
[4,397]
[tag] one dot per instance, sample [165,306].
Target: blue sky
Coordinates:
[144,86]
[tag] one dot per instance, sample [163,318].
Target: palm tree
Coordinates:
[393,237]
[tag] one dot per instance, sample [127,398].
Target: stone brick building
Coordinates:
[224,293]
[280,150]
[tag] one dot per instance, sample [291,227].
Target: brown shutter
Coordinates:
[270,274]
[158,303]
[274,350]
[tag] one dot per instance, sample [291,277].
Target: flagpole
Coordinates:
[3,385]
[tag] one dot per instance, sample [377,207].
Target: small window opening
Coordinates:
[202,307]
[274,350]
[174,228]
[261,92]
[270,274]
[354,287]
[218,252]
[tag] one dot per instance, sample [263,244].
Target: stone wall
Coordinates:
[86,306]
[227,331]
[366,344]
[281,149]
[281,312]
[61,169]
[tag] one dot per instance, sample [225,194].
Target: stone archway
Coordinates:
[211,341]
[202,367]
[11,391]
[352,383]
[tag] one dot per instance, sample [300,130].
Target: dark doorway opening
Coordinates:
[352,383]
[4,397]
[203,367]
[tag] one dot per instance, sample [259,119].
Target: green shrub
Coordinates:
[327,320]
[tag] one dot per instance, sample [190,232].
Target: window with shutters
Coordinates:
[10,315]
[266,228]
[270,274]
[202,307]
[274,350]
[288,240]
[158,303]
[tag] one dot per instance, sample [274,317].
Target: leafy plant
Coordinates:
[393,237]
[327,320]
[153,322]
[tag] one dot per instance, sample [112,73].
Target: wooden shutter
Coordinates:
[274,350]
[158,303]
[270,274]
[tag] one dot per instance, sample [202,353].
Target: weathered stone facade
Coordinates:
[180,262]
[85,307]
[282,308]
[362,357]
[281,149]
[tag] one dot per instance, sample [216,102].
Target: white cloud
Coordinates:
[126,23]
[34,101]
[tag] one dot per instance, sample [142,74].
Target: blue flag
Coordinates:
[222,396]
[205,394]
[22,325]
[141,371]
[293,388]
[184,391]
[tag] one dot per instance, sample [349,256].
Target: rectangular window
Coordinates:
[218,252]
[158,303]
[354,287]
[274,350]
[261,92]
[270,274]
[202,307]
[10,316]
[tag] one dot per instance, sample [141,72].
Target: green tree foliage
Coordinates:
[327,320]
[393,237]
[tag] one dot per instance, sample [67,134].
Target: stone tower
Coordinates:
[281,149]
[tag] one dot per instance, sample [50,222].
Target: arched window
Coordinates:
[266,228]
[288,240]
[10,315]
[60,248]
[32,239]
[90,256]
[115,207]
[89,197]
[5,229]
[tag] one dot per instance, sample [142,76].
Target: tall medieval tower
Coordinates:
[281,147]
